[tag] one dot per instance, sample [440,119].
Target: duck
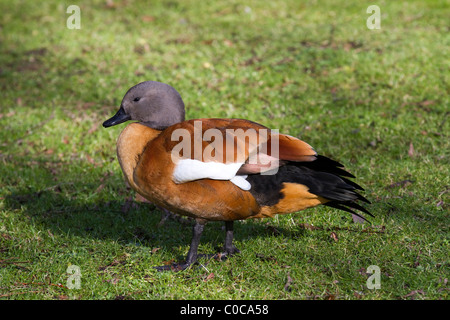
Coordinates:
[221,169]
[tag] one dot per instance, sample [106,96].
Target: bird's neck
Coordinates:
[162,120]
[130,145]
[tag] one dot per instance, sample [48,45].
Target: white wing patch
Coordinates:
[241,182]
[189,170]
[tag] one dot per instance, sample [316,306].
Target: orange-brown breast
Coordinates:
[130,145]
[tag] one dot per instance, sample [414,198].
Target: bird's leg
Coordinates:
[196,234]
[229,248]
[192,254]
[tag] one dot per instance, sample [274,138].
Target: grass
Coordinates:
[376,100]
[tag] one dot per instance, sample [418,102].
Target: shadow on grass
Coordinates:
[124,221]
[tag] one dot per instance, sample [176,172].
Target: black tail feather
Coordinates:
[324,177]
[353,184]
[356,206]
[360,197]
[331,166]
[340,206]
[328,180]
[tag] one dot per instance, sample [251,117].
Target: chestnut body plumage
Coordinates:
[247,178]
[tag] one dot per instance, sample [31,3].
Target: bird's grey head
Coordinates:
[154,104]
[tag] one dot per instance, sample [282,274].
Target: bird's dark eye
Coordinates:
[136,99]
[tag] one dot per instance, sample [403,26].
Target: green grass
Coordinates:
[376,100]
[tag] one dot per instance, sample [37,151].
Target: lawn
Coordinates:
[376,100]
